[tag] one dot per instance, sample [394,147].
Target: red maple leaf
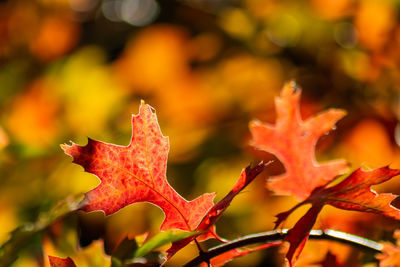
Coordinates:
[353,193]
[137,173]
[293,141]
[59,262]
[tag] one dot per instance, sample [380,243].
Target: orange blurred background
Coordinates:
[72,69]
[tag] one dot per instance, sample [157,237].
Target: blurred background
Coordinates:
[72,69]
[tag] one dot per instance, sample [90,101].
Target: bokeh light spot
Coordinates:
[133,12]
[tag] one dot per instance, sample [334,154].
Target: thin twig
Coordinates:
[271,236]
[201,250]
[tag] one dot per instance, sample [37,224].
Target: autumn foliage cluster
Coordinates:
[254,172]
[136,173]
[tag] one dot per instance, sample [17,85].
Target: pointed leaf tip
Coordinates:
[291,87]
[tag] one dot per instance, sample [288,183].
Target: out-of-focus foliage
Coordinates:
[391,252]
[76,68]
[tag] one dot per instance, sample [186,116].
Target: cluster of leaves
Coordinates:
[137,173]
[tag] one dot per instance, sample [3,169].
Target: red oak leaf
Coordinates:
[207,223]
[293,141]
[137,173]
[59,262]
[353,193]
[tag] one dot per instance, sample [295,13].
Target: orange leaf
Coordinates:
[293,141]
[137,173]
[353,193]
[59,262]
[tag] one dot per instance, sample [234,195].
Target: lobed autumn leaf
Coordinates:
[293,141]
[137,173]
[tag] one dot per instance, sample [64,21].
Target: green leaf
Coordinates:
[115,262]
[161,239]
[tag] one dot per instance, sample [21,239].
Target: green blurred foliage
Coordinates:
[76,68]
